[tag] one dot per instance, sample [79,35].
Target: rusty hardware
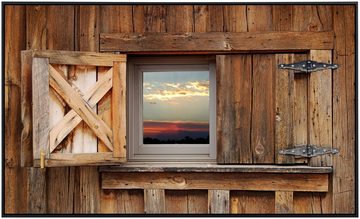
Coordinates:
[308,151]
[308,66]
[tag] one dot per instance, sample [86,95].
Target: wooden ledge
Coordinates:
[215,42]
[207,168]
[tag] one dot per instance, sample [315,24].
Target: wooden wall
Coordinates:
[70,27]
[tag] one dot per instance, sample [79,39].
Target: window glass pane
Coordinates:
[176,107]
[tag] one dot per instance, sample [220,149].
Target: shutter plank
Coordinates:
[40,85]
[320,107]
[284,109]
[119,109]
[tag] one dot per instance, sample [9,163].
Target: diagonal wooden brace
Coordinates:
[80,107]
[72,119]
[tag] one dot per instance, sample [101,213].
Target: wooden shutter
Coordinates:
[78,107]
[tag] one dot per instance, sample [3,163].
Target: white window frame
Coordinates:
[137,151]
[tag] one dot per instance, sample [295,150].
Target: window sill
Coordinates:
[211,167]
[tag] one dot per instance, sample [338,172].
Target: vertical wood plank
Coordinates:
[154,201]
[344,109]
[37,191]
[119,109]
[15,176]
[308,203]
[208,18]
[176,201]
[234,81]
[284,109]
[320,108]
[263,110]
[179,18]
[219,202]
[149,18]
[284,202]
[247,202]
[235,19]
[122,201]
[40,96]
[197,201]
[282,17]
[116,19]
[259,17]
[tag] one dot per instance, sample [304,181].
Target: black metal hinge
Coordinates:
[308,151]
[308,66]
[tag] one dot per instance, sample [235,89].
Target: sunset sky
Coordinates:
[176,104]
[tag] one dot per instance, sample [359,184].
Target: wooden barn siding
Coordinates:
[61,27]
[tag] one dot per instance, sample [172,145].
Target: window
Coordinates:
[171,109]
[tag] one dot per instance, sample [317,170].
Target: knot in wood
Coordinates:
[259,149]
[179,180]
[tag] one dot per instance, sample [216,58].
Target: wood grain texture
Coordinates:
[343,102]
[179,18]
[284,104]
[259,17]
[81,107]
[122,201]
[197,201]
[149,18]
[218,201]
[14,22]
[263,109]
[116,19]
[235,18]
[320,108]
[176,201]
[234,98]
[119,109]
[37,191]
[212,168]
[208,18]
[247,202]
[215,41]
[284,202]
[40,97]
[154,201]
[83,159]
[227,181]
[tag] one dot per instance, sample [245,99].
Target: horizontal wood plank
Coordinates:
[205,167]
[79,58]
[213,42]
[224,181]
[70,159]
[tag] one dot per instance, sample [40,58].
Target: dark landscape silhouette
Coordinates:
[185,140]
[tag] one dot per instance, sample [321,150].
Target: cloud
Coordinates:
[168,91]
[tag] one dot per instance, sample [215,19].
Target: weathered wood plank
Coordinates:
[218,201]
[89,190]
[208,18]
[259,17]
[14,22]
[83,159]
[213,168]
[235,19]
[344,109]
[79,58]
[149,18]
[154,201]
[284,202]
[234,108]
[116,19]
[233,181]
[179,18]
[308,203]
[81,107]
[247,202]
[176,201]
[281,17]
[284,109]
[215,41]
[320,108]
[37,191]
[40,97]
[119,109]
[263,109]
[197,201]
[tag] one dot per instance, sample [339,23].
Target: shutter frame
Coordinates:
[36,67]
